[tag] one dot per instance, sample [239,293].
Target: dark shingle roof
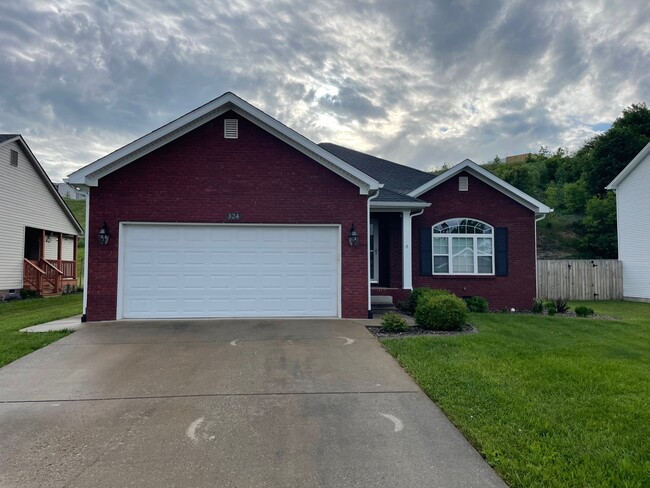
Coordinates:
[394,176]
[6,137]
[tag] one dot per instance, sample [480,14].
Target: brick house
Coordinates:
[272,224]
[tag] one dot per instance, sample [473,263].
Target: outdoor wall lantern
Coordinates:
[353,237]
[104,235]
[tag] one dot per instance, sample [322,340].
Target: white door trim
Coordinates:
[119,313]
[374,226]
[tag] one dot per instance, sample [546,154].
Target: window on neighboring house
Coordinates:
[14,158]
[463,246]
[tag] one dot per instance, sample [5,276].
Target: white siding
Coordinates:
[633,216]
[25,201]
[52,248]
[68,249]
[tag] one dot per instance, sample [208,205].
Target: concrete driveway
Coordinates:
[237,403]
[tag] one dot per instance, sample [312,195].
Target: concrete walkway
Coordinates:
[242,403]
[70,323]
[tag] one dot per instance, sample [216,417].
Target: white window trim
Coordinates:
[449,254]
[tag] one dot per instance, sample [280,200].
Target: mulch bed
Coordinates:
[415,331]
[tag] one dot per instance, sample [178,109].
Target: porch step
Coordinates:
[382,302]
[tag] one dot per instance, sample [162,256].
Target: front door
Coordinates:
[374,251]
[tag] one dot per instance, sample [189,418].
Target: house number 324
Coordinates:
[233,216]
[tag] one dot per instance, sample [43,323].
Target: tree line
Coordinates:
[574,185]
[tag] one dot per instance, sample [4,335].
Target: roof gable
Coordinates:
[27,153]
[494,181]
[89,175]
[643,154]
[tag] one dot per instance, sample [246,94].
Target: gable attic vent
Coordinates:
[14,158]
[230,128]
[463,183]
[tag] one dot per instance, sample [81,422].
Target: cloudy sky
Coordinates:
[419,82]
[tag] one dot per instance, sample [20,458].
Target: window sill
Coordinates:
[464,277]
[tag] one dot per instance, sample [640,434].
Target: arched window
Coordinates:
[463,246]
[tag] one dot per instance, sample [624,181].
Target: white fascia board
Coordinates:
[48,183]
[488,178]
[629,168]
[89,175]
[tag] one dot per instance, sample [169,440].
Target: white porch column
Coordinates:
[407,251]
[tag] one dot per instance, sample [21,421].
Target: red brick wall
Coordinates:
[484,203]
[200,177]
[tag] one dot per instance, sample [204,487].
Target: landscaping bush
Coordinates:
[27,293]
[441,312]
[583,311]
[550,307]
[538,306]
[417,293]
[477,304]
[391,322]
[561,305]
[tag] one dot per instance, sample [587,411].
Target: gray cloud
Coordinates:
[423,83]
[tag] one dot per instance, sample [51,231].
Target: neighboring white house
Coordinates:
[69,191]
[633,225]
[38,233]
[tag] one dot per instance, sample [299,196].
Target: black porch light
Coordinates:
[353,237]
[104,235]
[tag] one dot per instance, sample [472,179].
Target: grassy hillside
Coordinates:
[78,209]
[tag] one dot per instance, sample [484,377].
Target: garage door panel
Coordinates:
[229,271]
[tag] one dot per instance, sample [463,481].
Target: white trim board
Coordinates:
[46,180]
[89,175]
[629,168]
[486,177]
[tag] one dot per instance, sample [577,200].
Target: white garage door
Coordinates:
[177,271]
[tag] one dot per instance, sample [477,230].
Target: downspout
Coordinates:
[537,220]
[86,242]
[374,194]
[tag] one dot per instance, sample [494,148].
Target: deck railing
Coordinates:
[53,274]
[68,268]
[37,273]
[33,275]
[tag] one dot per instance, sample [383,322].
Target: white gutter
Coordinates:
[371,197]
[537,220]
[86,191]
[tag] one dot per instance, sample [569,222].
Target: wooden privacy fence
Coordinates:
[580,279]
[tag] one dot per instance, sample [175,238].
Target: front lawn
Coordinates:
[23,313]
[548,401]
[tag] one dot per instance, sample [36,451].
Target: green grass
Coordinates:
[23,313]
[78,209]
[548,401]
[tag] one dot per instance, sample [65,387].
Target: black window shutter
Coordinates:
[425,251]
[501,251]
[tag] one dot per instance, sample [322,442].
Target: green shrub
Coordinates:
[583,311]
[538,306]
[441,312]
[391,322]
[561,305]
[477,304]
[27,293]
[549,305]
[417,293]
